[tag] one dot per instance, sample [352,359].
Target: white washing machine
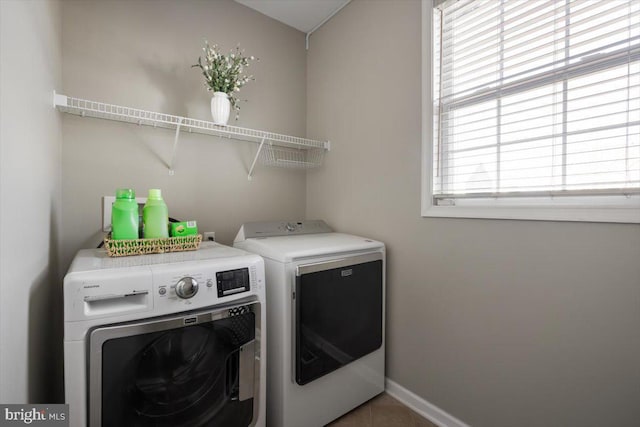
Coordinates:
[165,340]
[325,316]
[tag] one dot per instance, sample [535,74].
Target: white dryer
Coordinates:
[325,316]
[165,340]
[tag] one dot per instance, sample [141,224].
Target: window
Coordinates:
[532,109]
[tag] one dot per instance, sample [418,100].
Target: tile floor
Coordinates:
[382,411]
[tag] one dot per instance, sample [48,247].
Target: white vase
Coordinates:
[220,108]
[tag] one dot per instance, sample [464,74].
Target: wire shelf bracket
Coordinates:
[175,148]
[291,144]
[255,159]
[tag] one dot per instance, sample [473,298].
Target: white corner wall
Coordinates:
[54,168]
[30,162]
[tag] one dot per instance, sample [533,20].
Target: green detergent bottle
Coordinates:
[124,215]
[155,216]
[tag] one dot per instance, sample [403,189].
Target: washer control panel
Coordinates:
[98,286]
[232,282]
[251,230]
[199,285]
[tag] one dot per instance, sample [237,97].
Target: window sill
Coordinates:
[578,214]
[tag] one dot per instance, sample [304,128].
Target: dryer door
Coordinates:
[194,370]
[338,314]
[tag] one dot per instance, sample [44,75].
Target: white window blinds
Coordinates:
[536,98]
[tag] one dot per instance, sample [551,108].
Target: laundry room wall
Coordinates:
[30,188]
[139,54]
[499,323]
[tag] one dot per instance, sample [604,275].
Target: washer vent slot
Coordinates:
[239,310]
[240,325]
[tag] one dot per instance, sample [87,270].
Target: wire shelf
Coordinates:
[86,108]
[296,157]
[283,157]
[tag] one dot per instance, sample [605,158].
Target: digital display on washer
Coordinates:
[232,281]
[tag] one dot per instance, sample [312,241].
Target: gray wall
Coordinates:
[30,145]
[138,54]
[499,323]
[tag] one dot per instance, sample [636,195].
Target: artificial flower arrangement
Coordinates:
[224,73]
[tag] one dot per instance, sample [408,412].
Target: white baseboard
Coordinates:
[421,406]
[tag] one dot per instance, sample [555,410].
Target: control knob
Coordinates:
[186,287]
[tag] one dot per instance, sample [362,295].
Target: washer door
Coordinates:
[192,370]
[338,314]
